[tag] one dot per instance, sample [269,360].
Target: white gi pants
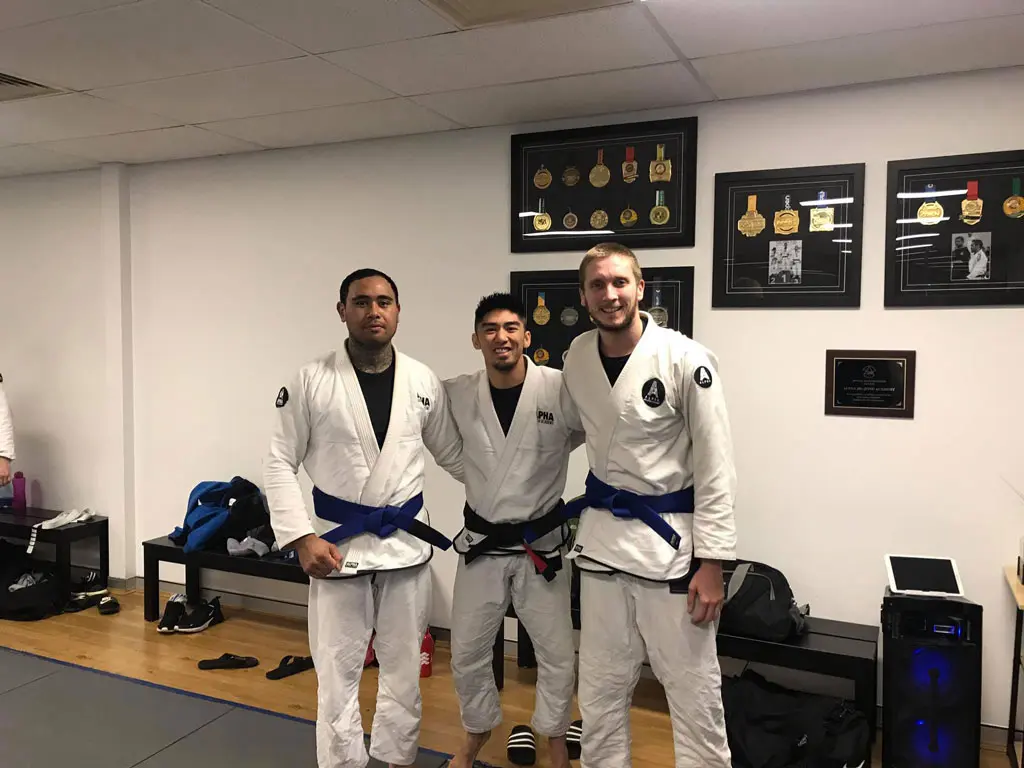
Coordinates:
[620,616]
[482,593]
[342,616]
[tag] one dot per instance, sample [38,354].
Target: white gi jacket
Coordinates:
[322,423]
[520,476]
[6,426]
[662,428]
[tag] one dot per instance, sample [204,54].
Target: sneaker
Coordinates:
[88,585]
[173,612]
[204,615]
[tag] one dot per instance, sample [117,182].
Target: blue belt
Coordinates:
[354,519]
[633,506]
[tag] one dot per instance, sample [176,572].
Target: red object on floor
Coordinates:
[427,656]
[370,655]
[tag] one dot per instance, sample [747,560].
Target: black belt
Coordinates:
[511,534]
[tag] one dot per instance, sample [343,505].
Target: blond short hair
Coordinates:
[603,251]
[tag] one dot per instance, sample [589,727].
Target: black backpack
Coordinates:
[39,601]
[759,603]
[773,727]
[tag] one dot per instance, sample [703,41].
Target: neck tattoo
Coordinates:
[369,359]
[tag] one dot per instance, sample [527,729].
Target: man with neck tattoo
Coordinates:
[656,520]
[358,420]
[517,442]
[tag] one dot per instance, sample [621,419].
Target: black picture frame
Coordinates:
[873,383]
[924,266]
[812,268]
[561,290]
[578,148]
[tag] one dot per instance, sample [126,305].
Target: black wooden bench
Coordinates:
[163,550]
[831,648]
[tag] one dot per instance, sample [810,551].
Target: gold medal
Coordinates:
[569,221]
[657,312]
[661,169]
[541,314]
[788,221]
[823,219]
[1013,206]
[628,217]
[659,213]
[970,207]
[571,176]
[751,223]
[630,168]
[930,213]
[599,219]
[599,174]
[569,316]
[542,178]
[541,221]
[541,356]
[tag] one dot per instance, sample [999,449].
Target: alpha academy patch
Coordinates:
[702,376]
[282,397]
[653,392]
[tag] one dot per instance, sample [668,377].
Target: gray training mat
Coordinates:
[17,669]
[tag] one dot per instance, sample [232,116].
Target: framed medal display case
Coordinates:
[954,234]
[555,315]
[788,237]
[633,183]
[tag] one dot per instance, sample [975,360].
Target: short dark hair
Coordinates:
[498,301]
[360,274]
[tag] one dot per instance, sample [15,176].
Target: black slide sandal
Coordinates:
[290,665]
[229,661]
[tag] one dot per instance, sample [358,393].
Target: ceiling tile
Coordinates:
[331,25]
[333,124]
[70,115]
[145,41]
[616,38]
[661,85]
[152,146]
[16,161]
[262,89]
[18,13]
[702,28]
[938,49]
[477,13]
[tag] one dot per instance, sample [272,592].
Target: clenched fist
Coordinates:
[317,557]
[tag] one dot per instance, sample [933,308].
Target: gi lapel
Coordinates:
[505,448]
[618,395]
[359,412]
[381,482]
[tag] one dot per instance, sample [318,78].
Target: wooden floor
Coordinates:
[127,645]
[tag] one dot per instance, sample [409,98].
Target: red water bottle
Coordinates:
[19,501]
[427,655]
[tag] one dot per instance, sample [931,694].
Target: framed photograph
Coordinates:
[789,237]
[633,183]
[556,316]
[954,234]
[870,383]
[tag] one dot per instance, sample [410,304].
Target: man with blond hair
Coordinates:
[656,519]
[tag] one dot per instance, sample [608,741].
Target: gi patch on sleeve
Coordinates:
[653,392]
[702,376]
[282,397]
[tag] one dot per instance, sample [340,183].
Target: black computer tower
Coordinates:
[931,682]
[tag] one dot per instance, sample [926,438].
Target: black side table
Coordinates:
[17,524]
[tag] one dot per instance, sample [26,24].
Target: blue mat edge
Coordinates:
[199,696]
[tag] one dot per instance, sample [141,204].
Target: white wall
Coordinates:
[236,261]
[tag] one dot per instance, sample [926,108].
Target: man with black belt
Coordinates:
[6,437]
[358,420]
[657,518]
[516,443]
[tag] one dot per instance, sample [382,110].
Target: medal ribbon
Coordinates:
[630,154]
[972,190]
[540,299]
[540,205]
[751,203]
[659,197]
[1016,187]
[600,157]
[661,152]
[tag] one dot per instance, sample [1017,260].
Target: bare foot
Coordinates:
[466,756]
[558,751]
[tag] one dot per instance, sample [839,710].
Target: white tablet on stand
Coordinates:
[922,575]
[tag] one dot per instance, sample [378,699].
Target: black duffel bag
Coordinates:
[770,726]
[38,601]
[759,603]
